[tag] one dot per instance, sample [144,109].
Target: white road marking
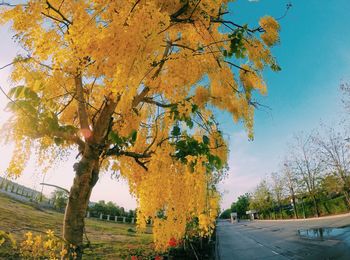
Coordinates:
[274,252]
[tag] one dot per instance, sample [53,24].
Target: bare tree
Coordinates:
[334,152]
[261,199]
[277,190]
[290,181]
[308,166]
[345,90]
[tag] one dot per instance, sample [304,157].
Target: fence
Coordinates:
[104,217]
[23,193]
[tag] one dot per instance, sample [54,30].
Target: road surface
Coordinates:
[281,240]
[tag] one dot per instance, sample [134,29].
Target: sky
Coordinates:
[314,54]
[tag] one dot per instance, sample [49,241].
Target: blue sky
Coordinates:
[315,58]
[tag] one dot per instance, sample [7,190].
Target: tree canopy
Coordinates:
[133,85]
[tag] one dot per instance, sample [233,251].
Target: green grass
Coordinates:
[108,240]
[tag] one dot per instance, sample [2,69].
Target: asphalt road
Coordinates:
[281,240]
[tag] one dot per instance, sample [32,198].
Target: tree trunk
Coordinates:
[294,202]
[295,207]
[86,176]
[347,198]
[281,212]
[317,211]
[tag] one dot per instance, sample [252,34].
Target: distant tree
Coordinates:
[131,213]
[307,165]
[345,90]
[226,214]
[233,207]
[122,211]
[261,198]
[330,185]
[290,182]
[110,208]
[334,152]
[99,207]
[277,184]
[60,199]
[242,205]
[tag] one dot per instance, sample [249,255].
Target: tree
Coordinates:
[291,184]
[334,152]
[133,86]
[345,90]
[277,190]
[233,207]
[60,199]
[226,214]
[308,166]
[110,208]
[261,198]
[242,205]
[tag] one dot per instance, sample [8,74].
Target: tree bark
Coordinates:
[347,198]
[86,176]
[317,211]
[294,204]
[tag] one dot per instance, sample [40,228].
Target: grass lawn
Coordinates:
[109,240]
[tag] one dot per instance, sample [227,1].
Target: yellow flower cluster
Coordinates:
[206,220]
[271,28]
[251,80]
[185,109]
[171,194]
[201,96]
[7,240]
[123,48]
[38,246]
[18,162]
[258,54]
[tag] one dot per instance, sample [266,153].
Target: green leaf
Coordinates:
[133,136]
[114,137]
[176,131]
[69,129]
[206,139]
[16,92]
[275,67]
[58,140]
[189,122]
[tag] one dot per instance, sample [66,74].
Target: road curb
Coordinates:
[217,255]
[303,219]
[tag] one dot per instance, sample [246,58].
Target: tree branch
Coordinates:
[58,12]
[179,12]
[55,186]
[151,101]
[101,126]
[55,19]
[236,66]
[137,99]
[137,156]
[258,29]
[82,113]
